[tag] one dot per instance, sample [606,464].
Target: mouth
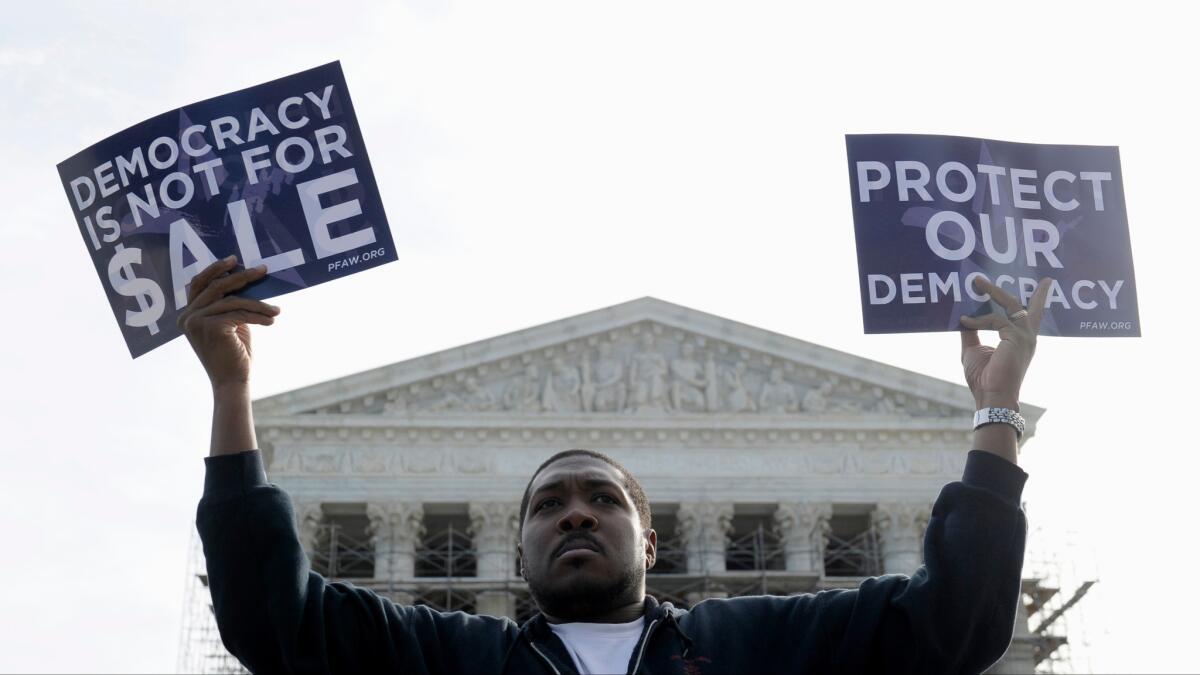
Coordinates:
[578,544]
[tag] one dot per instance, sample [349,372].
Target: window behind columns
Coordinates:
[343,549]
[753,545]
[446,550]
[852,549]
[671,557]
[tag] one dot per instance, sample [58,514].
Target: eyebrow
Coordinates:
[587,482]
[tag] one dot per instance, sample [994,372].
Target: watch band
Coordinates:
[1000,416]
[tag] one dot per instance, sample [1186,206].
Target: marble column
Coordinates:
[309,518]
[704,529]
[1020,655]
[803,528]
[900,527]
[494,531]
[395,530]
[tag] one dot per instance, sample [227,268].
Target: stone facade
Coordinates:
[724,424]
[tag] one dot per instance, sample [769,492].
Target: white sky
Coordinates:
[538,160]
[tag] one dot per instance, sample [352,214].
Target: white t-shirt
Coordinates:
[600,648]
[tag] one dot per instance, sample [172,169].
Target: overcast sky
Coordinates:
[539,160]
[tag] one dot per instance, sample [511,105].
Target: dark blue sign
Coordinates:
[276,174]
[933,212]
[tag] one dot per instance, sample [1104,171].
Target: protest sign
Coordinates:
[276,174]
[933,212]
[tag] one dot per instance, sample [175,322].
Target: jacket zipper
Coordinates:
[642,652]
[636,665]
[544,657]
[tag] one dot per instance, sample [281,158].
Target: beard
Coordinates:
[582,600]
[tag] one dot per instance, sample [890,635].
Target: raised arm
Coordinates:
[273,612]
[961,603]
[216,323]
[956,613]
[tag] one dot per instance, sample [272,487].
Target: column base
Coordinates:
[495,603]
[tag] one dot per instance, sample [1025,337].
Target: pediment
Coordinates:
[644,358]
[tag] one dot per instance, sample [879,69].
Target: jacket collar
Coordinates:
[538,627]
[543,640]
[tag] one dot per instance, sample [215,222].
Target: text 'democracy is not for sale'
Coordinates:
[931,213]
[276,174]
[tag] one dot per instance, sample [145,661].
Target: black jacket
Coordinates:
[954,615]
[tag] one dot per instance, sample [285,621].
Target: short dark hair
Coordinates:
[640,503]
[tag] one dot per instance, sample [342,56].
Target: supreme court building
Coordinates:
[773,466]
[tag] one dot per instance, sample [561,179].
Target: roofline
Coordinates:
[613,317]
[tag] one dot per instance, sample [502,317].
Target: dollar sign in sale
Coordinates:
[146,293]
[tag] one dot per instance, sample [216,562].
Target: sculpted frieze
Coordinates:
[322,461]
[370,461]
[874,462]
[641,370]
[283,460]
[422,461]
[828,463]
[924,463]
[471,461]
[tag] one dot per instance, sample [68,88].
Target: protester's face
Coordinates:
[583,549]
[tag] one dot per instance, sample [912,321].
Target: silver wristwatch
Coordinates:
[1000,416]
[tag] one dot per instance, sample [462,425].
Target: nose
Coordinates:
[576,519]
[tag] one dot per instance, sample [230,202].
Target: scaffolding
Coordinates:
[445,565]
[758,550]
[340,554]
[445,561]
[854,555]
[448,552]
[1053,594]
[200,647]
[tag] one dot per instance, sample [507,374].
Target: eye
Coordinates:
[610,499]
[542,504]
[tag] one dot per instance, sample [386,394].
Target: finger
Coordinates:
[228,284]
[991,321]
[246,316]
[201,280]
[1001,296]
[232,302]
[200,325]
[970,338]
[1037,304]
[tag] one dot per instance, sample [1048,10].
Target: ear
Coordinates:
[651,548]
[521,561]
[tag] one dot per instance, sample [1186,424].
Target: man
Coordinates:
[585,546]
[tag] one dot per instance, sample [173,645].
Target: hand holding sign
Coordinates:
[994,375]
[276,174]
[933,214]
[215,322]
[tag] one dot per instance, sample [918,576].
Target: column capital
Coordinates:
[900,521]
[803,528]
[900,527]
[395,528]
[494,531]
[704,529]
[395,521]
[803,522]
[493,521]
[704,519]
[309,518]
